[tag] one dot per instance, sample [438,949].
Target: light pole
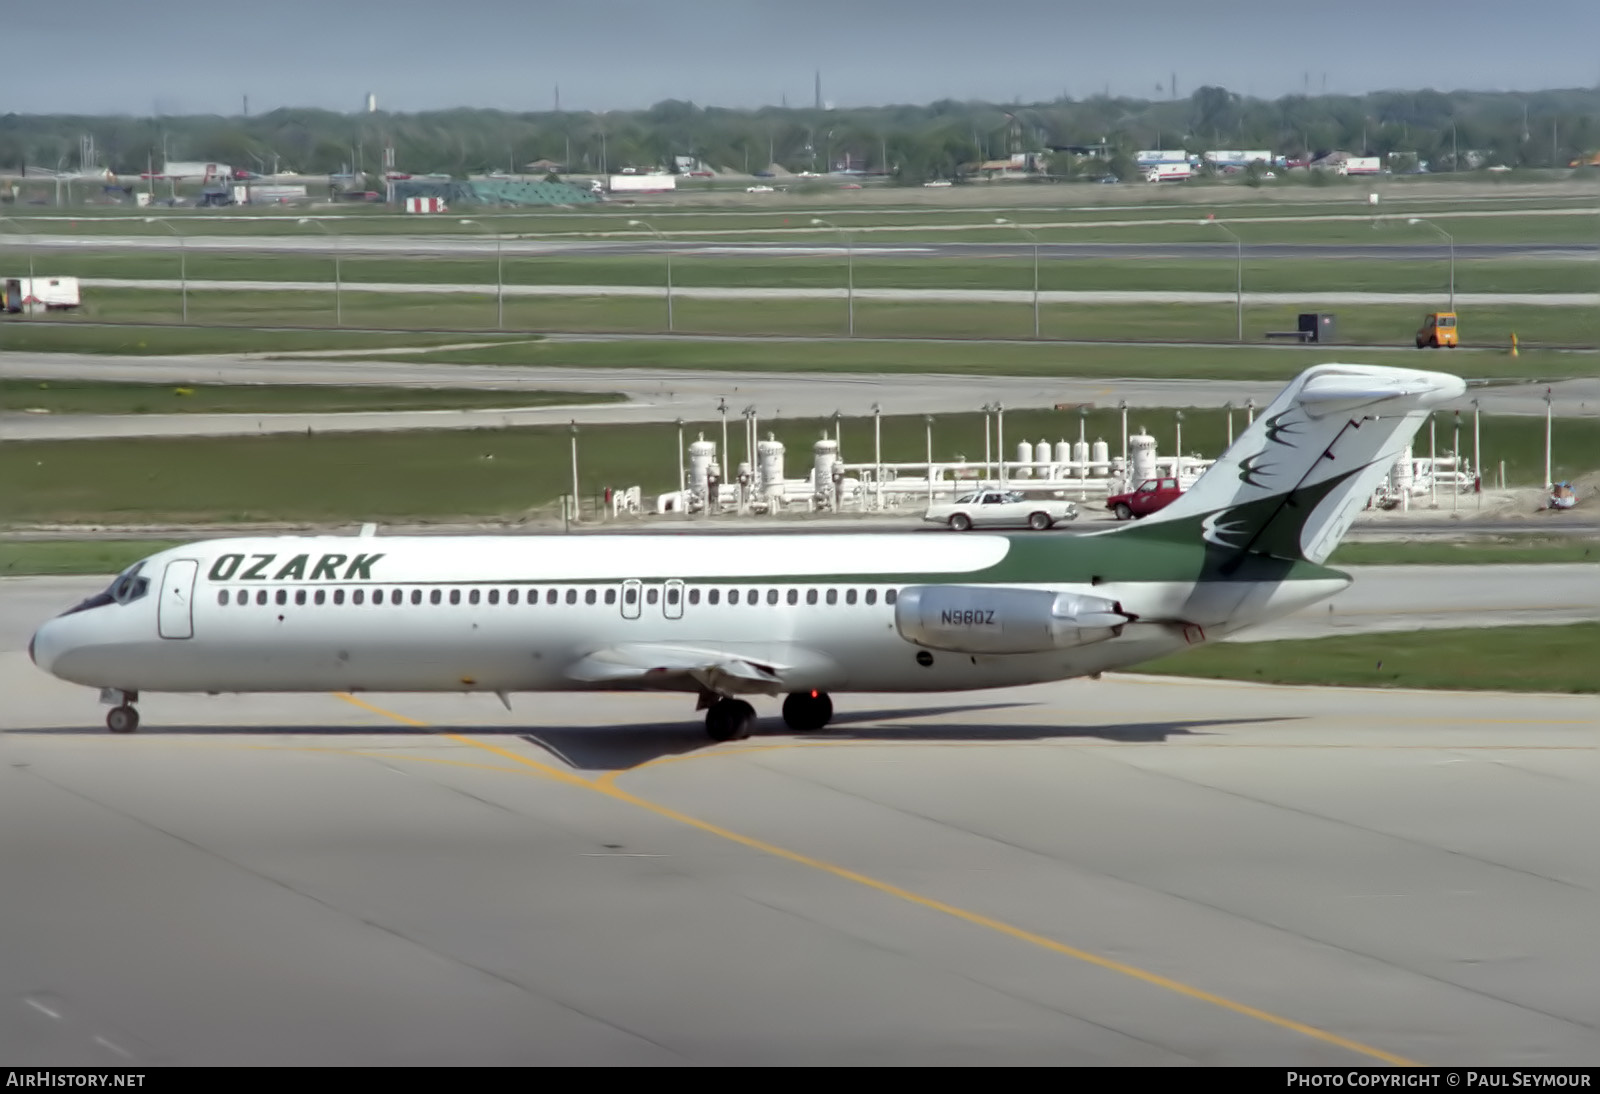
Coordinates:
[183,263]
[338,278]
[666,246]
[1035,241]
[1122,405]
[1000,440]
[722,408]
[1228,406]
[9,223]
[1477,455]
[988,409]
[1177,444]
[877,453]
[499,277]
[1450,240]
[1455,454]
[927,420]
[682,484]
[849,268]
[1433,460]
[1549,483]
[749,457]
[1238,275]
[576,511]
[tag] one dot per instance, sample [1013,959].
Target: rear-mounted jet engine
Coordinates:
[971,619]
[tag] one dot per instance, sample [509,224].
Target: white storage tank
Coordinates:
[1402,474]
[702,455]
[1080,455]
[1100,457]
[823,456]
[1041,454]
[1142,457]
[1024,456]
[1063,452]
[769,456]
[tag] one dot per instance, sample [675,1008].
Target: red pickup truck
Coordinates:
[1152,494]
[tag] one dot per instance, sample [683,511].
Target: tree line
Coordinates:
[1447,130]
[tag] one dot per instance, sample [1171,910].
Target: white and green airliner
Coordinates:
[730,617]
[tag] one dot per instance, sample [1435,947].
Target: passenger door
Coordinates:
[175,614]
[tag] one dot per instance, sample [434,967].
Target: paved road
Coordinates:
[1312,876]
[655,395]
[926,296]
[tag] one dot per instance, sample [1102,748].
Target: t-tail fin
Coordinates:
[1291,484]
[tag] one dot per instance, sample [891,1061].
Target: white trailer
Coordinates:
[202,171]
[1362,165]
[642,184]
[1168,172]
[41,293]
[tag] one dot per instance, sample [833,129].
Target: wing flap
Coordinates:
[666,666]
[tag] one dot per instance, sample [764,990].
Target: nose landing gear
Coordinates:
[122,717]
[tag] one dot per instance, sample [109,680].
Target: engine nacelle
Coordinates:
[974,619]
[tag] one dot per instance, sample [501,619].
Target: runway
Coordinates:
[654,395]
[1124,871]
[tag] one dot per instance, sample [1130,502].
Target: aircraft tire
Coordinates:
[805,711]
[123,719]
[730,720]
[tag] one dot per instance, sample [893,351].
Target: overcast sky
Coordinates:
[113,56]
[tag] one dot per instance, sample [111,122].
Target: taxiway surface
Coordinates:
[1127,871]
[654,395]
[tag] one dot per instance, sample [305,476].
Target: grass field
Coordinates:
[472,314]
[508,473]
[96,556]
[84,397]
[68,334]
[1552,659]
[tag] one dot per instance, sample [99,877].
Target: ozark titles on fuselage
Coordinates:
[326,568]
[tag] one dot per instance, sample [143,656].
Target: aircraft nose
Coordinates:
[42,649]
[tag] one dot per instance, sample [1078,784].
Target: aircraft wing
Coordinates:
[672,667]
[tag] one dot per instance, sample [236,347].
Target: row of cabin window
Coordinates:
[630,596]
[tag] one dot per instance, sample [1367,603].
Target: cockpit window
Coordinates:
[128,587]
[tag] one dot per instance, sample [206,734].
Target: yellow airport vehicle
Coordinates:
[1438,329]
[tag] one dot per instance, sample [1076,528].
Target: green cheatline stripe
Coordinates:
[1030,560]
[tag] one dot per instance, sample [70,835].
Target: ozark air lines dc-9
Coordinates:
[724,618]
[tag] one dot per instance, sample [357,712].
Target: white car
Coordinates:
[1000,509]
[937,182]
[758,190]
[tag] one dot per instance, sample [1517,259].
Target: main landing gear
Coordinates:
[122,717]
[805,711]
[730,720]
[733,719]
